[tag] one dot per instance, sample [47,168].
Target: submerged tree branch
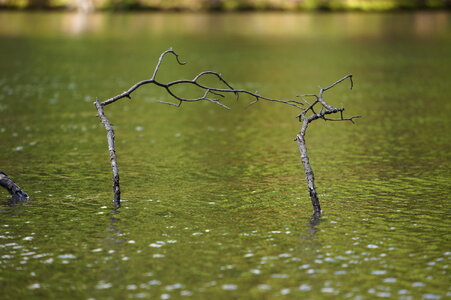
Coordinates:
[214,95]
[15,191]
[112,150]
[305,119]
[210,94]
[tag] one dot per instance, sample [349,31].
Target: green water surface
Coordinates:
[215,202]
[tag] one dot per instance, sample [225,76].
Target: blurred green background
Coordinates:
[227,5]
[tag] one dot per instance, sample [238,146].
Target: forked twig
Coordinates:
[209,91]
[305,119]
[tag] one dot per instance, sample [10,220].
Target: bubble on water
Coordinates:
[418,284]
[372,246]
[171,241]
[97,250]
[285,291]
[279,276]
[141,295]
[285,255]
[174,286]
[431,296]
[48,261]
[139,128]
[384,294]
[390,280]
[378,272]
[228,267]
[131,242]
[34,286]
[27,238]
[186,293]
[102,285]
[67,256]
[305,287]
[157,255]
[157,244]
[165,296]
[197,233]
[154,282]
[264,287]
[340,272]
[256,271]
[329,259]
[327,290]
[229,287]
[249,255]
[131,287]
[18,148]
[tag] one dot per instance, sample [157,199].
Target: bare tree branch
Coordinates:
[305,119]
[308,114]
[160,60]
[112,150]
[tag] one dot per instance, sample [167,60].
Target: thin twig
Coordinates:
[306,116]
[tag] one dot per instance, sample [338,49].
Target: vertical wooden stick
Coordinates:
[112,150]
[309,176]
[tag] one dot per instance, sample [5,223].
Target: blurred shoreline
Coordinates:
[225,5]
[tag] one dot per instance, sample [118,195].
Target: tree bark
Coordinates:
[15,191]
[112,150]
[309,176]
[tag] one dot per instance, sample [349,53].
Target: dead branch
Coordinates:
[305,119]
[112,150]
[211,94]
[16,192]
[214,95]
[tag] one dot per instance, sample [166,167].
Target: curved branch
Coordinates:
[160,60]
[16,192]
[324,107]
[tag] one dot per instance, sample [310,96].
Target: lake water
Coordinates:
[215,201]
